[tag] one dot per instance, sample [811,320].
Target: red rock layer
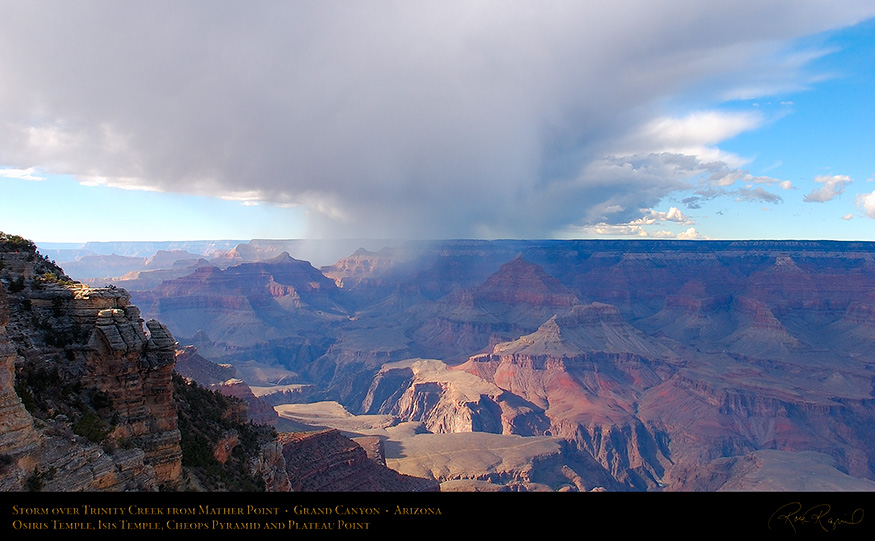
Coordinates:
[327,461]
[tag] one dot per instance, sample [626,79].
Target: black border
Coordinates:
[761,514]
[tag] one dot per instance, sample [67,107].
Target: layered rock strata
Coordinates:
[18,437]
[682,353]
[449,401]
[95,380]
[327,461]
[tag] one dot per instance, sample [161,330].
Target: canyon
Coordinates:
[507,365]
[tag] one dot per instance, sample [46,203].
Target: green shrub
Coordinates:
[203,419]
[27,398]
[35,482]
[14,243]
[6,462]
[91,426]
[16,285]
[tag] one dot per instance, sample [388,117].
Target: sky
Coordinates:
[187,120]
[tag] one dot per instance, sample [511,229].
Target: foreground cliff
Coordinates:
[91,407]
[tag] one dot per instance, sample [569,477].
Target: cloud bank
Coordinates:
[420,119]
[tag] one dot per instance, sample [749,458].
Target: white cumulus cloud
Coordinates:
[833,186]
[690,234]
[866,203]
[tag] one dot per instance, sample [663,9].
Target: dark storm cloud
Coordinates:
[388,118]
